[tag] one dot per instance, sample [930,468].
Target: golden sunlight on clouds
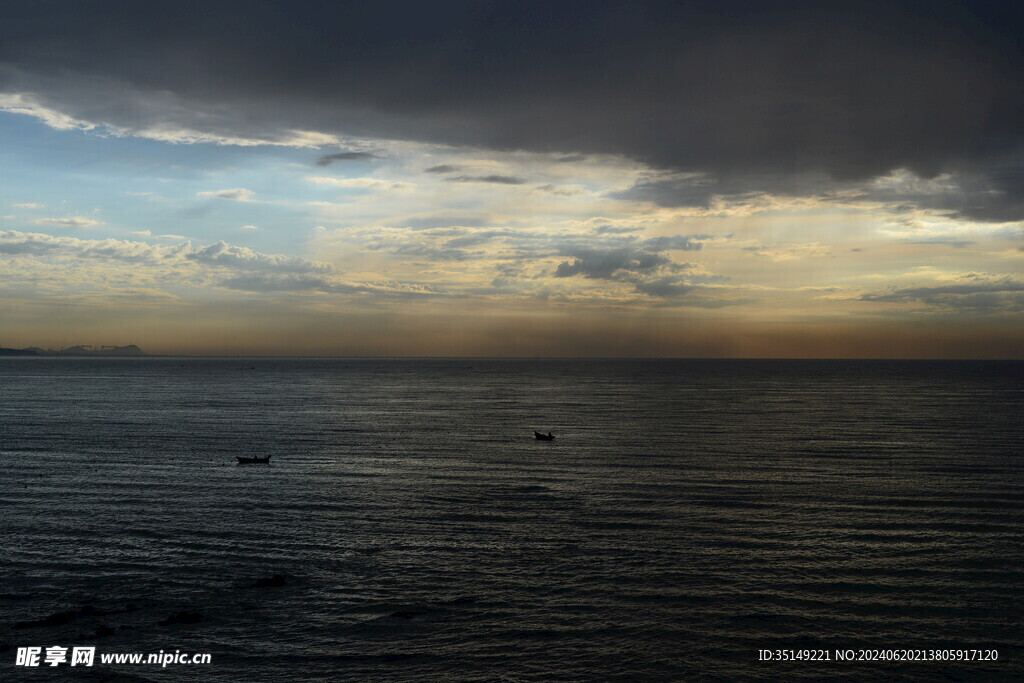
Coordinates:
[420,250]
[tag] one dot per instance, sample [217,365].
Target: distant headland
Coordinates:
[78,350]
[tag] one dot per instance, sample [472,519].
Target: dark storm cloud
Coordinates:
[442,168]
[1000,197]
[994,194]
[671,192]
[743,92]
[328,159]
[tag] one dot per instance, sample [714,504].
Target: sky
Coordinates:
[514,178]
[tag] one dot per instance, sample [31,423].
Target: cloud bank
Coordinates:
[750,95]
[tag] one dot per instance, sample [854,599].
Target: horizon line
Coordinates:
[413,357]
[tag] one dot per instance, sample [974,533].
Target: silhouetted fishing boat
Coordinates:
[544,437]
[252,461]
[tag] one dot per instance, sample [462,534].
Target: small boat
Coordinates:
[252,461]
[544,437]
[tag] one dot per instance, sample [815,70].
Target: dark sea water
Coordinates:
[688,514]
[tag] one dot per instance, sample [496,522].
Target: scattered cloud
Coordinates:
[238,194]
[647,265]
[495,179]
[639,257]
[223,254]
[559,191]
[22,103]
[153,128]
[357,183]
[40,244]
[604,263]
[226,261]
[274,282]
[947,241]
[328,159]
[441,220]
[68,222]
[965,292]
[789,252]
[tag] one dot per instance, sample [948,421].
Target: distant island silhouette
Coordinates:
[77,350]
[17,352]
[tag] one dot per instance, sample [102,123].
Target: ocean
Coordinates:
[689,515]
